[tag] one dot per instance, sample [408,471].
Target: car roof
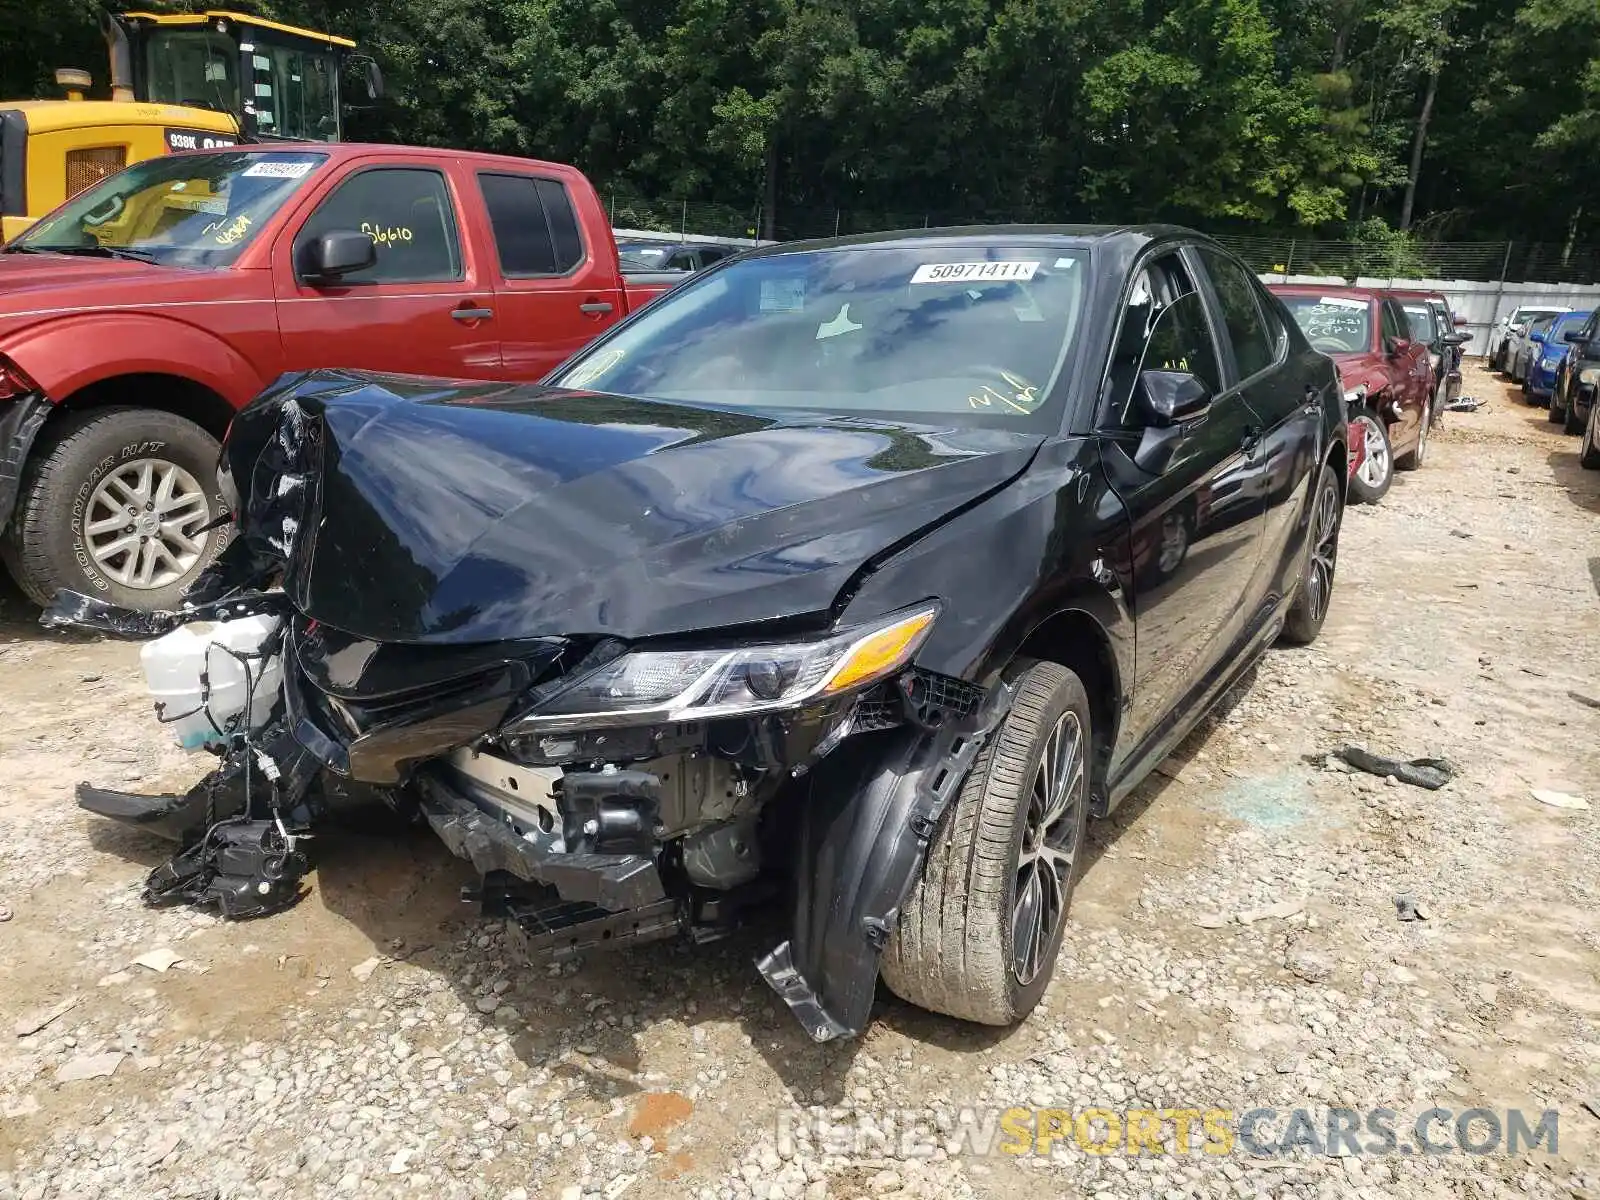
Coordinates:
[1339,291]
[1125,238]
[1416,294]
[338,152]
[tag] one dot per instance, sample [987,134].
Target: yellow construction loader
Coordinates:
[179,81]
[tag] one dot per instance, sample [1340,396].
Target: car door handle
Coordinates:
[472,314]
[595,308]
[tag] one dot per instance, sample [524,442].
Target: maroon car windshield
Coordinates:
[1332,324]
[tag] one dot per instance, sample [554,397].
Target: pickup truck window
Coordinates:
[192,210]
[535,228]
[407,211]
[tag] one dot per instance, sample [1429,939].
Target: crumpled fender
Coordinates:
[873,807]
[69,353]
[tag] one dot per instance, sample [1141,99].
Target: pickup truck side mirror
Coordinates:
[1396,346]
[1169,403]
[330,256]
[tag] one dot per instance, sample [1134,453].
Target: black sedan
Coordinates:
[850,576]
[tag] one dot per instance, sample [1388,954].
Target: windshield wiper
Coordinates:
[143,256]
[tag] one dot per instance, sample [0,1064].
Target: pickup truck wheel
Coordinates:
[978,937]
[111,504]
[1310,607]
[1372,478]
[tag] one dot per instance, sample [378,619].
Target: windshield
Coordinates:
[189,210]
[1420,320]
[1332,324]
[1566,325]
[197,69]
[1524,315]
[976,332]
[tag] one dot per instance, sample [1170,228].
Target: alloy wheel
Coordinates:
[1049,847]
[1375,467]
[1324,553]
[142,526]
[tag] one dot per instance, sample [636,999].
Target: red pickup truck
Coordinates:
[136,318]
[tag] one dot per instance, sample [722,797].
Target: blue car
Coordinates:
[1549,353]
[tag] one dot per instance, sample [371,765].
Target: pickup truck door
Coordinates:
[557,284]
[423,308]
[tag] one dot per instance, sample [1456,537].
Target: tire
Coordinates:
[84,469]
[1557,415]
[1311,602]
[1412,459]
[1571,422]
[1366,485]
[954,951]
[1589,448]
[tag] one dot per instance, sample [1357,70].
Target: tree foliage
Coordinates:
[1236,115]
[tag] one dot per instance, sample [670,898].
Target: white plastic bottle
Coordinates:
[195,712]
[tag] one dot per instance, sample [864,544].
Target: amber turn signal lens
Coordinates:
[881,653]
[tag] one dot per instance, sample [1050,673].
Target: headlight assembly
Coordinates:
[644,686]
[1589,376]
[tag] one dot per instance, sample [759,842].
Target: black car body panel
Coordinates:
[458,560]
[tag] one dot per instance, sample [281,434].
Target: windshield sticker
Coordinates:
[386,237]
[1066,264]
[783,295]
[1024,399]
[968,271]
[586,373]
[840,324]
[279,170]
[1344,302]
[217,206]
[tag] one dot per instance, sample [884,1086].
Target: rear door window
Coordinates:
[1254,346]
[535,228]
[1158,333]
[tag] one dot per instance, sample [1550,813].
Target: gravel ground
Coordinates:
[1235,942]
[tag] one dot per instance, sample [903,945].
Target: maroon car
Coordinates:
[1387,376]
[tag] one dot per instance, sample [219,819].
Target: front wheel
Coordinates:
[1372,478]
[113,503]
[979,934]
[1418,454]
[1571,422]
[1310,607]
[1558,413]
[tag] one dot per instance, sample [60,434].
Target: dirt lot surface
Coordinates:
[379,1040]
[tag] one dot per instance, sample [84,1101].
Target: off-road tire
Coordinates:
[1589,448]
[951,952]
[75,451]
[1304,621]
[1360,490]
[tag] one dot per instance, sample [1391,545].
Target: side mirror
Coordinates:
[1536,337]
[331,256]
[1457,339]
[1169,403]
[1396,346]
[374,79]
[1572,335]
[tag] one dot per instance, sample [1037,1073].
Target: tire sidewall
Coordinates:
[1070,695]
[106,447]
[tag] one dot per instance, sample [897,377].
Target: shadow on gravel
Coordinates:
[1581,487]
[19,620]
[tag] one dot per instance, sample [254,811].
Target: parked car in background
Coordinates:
[1511,327]
[1550,351]
[664,256]
[1450,339]
[136,318]
[1578,376]
[1528,348]
[807,586]
[1385,372]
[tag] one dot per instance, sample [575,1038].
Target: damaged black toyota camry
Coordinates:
[850,577]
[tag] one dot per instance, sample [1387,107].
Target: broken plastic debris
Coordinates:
[1430,773]
[1559,799]
[90,1066]
[1464,404]
[160,960]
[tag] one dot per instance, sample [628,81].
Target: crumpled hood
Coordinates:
[454,513]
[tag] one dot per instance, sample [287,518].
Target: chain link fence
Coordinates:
[1394,257]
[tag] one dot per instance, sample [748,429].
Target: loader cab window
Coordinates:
[292,93]
[195,69]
